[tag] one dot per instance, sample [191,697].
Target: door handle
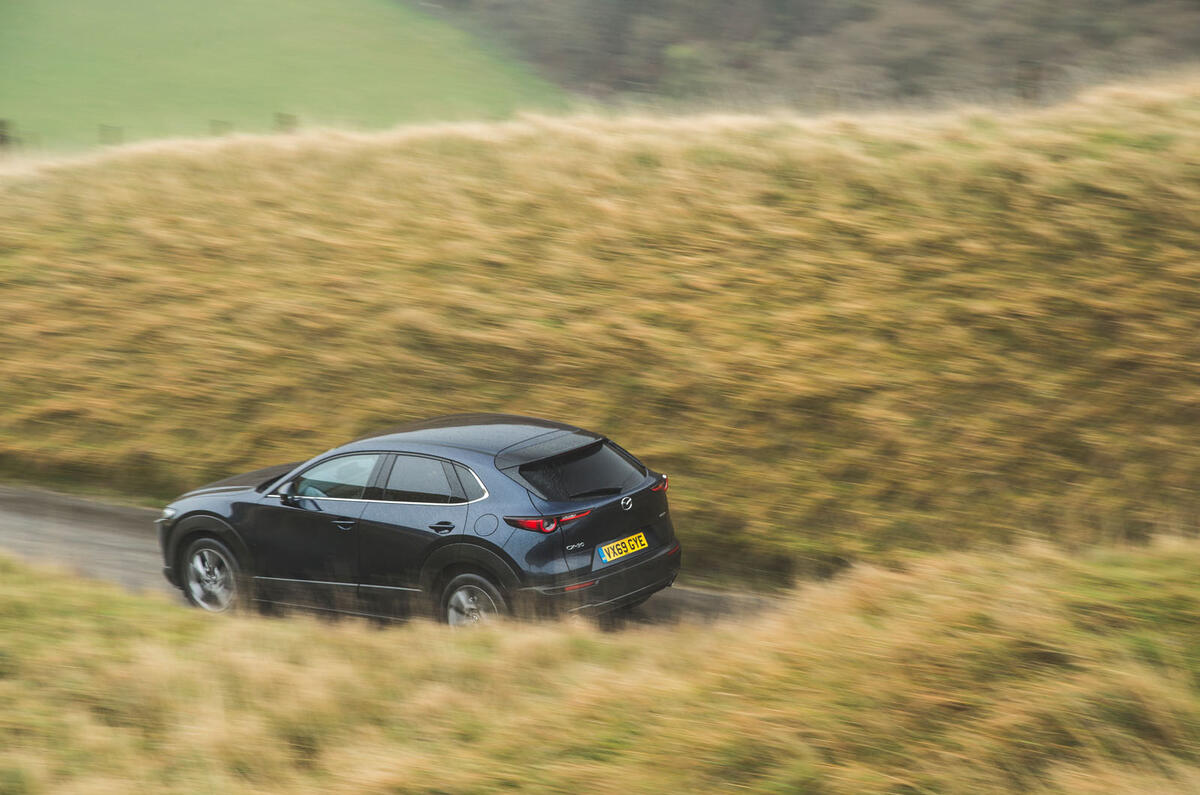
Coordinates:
[345,524]
[442,527]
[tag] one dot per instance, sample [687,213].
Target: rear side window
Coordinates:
[417,479]
[470,483]
[345,477]
[591,471]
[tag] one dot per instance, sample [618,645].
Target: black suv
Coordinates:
[469,516]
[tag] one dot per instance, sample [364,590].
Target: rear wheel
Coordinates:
[211,576]
[471,599]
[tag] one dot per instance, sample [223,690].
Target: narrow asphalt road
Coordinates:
[117,543]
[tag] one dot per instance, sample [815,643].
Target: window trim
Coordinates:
[456,466]
[371,479]
[377,478]
[447,471]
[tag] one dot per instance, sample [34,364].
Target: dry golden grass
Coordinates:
[844,338]
[969,673]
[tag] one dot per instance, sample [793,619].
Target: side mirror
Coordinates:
[287,493]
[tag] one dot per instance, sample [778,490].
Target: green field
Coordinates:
[1025,672]
[845,339]
[156,68]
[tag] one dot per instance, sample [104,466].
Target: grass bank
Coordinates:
[845,338]
[1031,671]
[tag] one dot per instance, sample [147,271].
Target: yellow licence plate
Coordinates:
[626,546]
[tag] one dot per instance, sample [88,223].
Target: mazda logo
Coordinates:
[626,503]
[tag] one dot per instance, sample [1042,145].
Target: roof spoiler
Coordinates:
[547,445]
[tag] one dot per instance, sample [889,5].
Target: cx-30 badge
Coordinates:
[626,503]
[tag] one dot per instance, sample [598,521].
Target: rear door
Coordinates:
[421,504]
[617,533]
[612,514]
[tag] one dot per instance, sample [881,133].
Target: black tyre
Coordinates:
[212,578]
[471,599]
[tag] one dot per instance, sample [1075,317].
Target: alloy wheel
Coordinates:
[469,604]
[210,580]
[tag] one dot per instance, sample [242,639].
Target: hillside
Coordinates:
[153,68]
[970,673]
[846,338]
[835,53]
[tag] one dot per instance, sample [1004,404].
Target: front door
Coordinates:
[306,551]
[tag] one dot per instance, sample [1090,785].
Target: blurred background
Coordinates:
[75,73]
[901,292]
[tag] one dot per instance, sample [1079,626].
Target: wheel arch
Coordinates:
[465,556]
[202,524]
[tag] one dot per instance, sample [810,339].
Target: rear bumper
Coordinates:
[606,593]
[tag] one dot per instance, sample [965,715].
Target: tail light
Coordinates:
[666,482]
[538,524]
[544,524]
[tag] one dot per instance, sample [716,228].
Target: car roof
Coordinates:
[482,433]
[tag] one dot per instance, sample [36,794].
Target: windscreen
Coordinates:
[590,471]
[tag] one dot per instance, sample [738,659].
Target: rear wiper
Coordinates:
[595,493]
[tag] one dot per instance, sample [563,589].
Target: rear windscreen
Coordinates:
[591,471]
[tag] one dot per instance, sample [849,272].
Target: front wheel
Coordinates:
[471,599]
[210,575]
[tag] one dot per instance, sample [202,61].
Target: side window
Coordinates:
[345,477]
[469,482]
[417,479]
